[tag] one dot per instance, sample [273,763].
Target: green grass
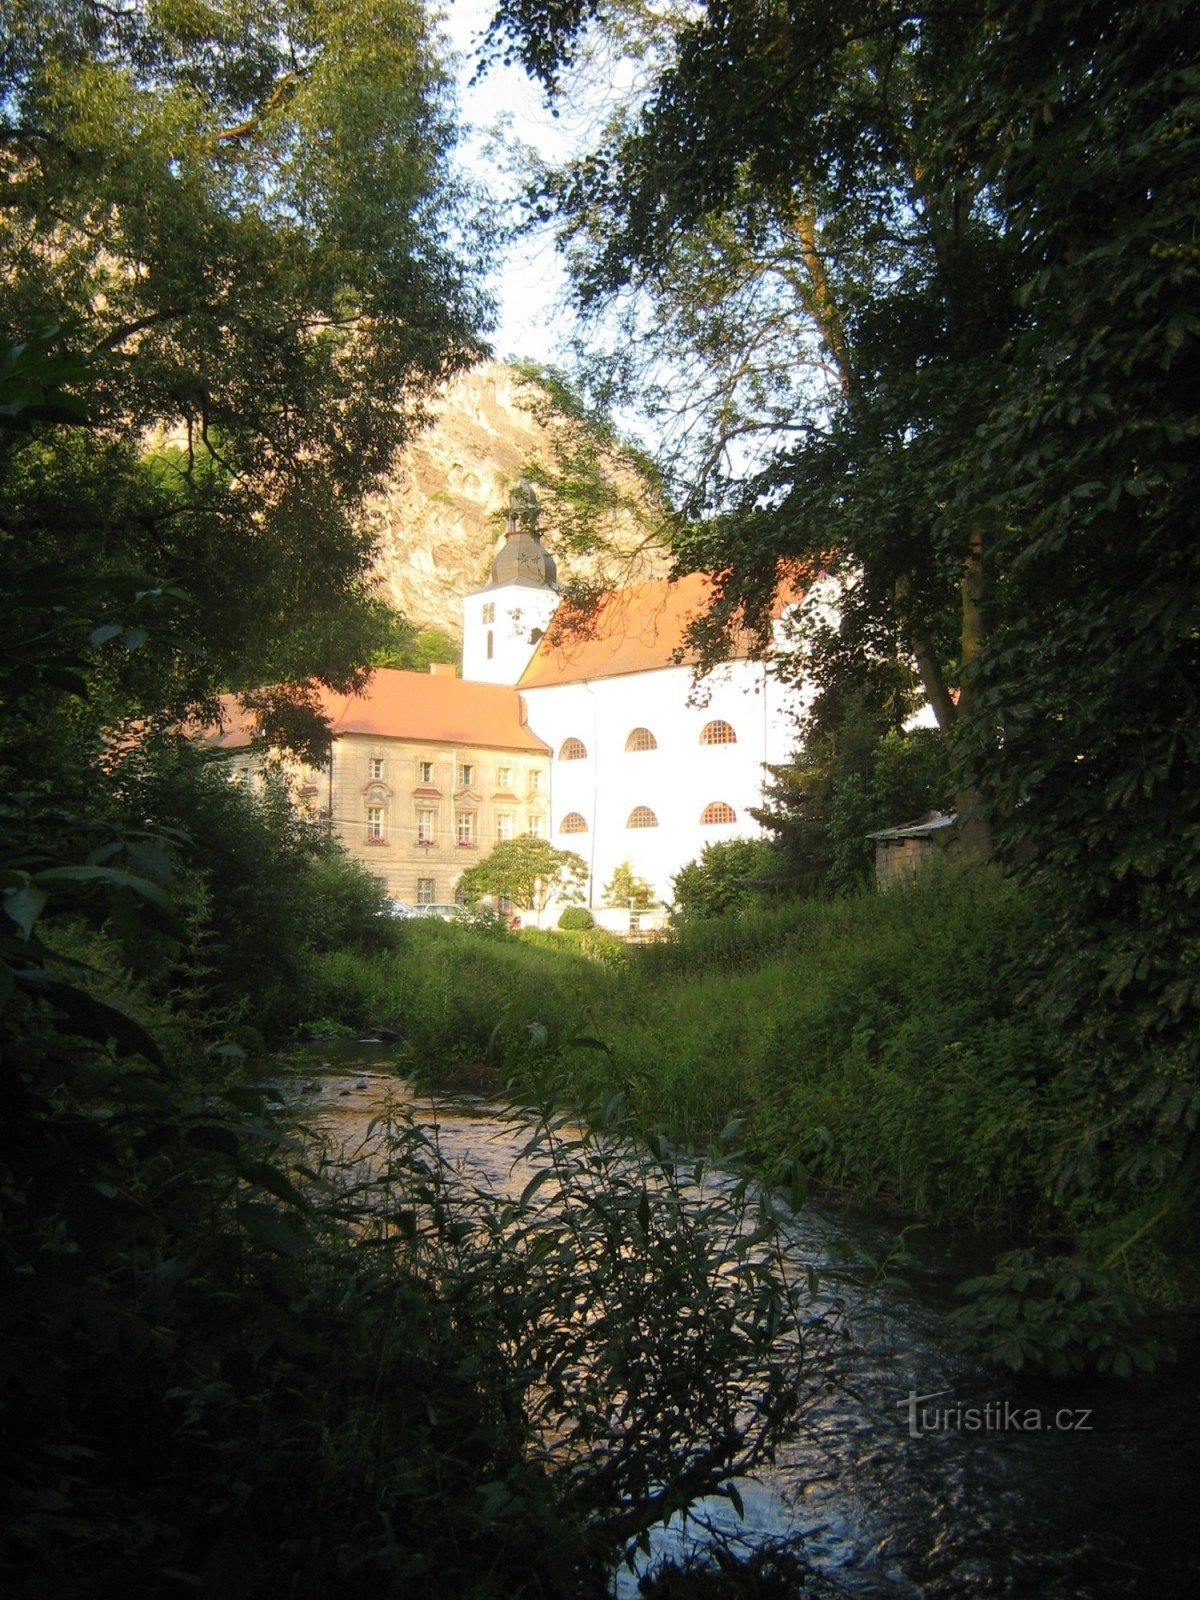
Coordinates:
[890,1046]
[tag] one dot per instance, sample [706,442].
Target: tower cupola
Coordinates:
[503,621]
[522,559]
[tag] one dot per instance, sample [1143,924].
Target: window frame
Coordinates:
[639,812]
[717,822]
[636,741]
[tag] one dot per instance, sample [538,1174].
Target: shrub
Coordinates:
[724,876]
[576,918]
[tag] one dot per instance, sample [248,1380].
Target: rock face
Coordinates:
[440,519]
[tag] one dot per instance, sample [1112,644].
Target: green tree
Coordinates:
[418,649]
[247,210]
[826,279]
[528,871]
[725,875]
[627,892]
[1003,204]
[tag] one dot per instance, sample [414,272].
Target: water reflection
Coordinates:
[1094,1512]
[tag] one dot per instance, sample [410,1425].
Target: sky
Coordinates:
[529,280]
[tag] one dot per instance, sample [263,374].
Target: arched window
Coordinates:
[572,823]
[573,750]
[717,733]
[716,812]
[642,817]
[641,739]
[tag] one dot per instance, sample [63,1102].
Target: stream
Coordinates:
[991,1485]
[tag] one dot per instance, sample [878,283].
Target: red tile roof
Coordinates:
[633,630]
[410,705]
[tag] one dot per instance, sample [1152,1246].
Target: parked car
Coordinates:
[447,911]
[397,908]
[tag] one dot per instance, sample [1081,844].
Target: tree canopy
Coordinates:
[978,230]
[528,871]
[243,215]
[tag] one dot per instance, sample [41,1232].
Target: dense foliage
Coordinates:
[975,233]
[528,871]
[883,1045]
[726,874]
[245,214]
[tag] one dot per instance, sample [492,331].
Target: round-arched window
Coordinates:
[641,739]
[642,817]
[717,733]
[572,823]
[717,811]
[573,750]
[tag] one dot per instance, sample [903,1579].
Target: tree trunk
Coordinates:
[974,824]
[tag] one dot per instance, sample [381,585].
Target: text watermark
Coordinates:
[993,1416]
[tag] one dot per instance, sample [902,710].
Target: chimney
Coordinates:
[443,669]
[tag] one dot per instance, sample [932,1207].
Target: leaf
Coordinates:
[274,1182]
[24,906]
[115,878]
[279,1233]
[82,1014]
[535,1183]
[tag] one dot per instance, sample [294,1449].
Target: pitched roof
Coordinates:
[633,630]
[429,708]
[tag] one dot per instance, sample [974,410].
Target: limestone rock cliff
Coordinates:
[440,517]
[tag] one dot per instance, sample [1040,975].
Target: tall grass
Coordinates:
[883,1039]
[885,1042]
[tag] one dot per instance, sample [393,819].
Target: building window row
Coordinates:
[715,732]
[715,813]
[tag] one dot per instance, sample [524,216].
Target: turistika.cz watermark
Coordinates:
[994,1416]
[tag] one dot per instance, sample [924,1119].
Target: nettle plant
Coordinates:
[637,1308]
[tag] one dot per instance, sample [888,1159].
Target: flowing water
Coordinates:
[986,1486]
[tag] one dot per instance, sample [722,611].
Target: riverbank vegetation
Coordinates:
[888,1048]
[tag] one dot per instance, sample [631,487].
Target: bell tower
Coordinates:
[503,622]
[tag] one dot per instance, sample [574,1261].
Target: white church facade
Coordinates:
[648,764]
[600,739]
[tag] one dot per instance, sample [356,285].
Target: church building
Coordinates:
[647,765]
[601,740]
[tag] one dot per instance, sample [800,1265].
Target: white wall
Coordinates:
[677,780]
[520,610]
